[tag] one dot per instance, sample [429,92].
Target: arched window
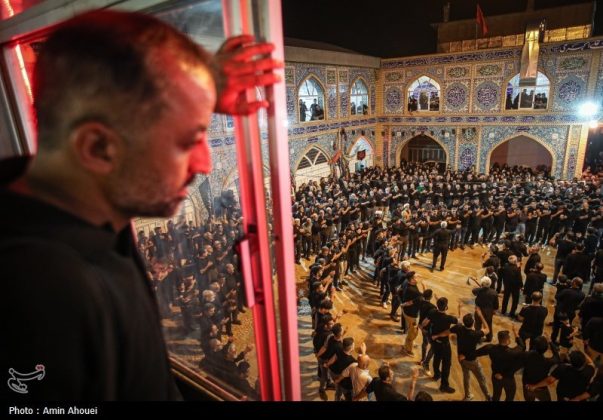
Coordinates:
[311,100]
[528,96]
[359,98]
[424,95]
[312,166]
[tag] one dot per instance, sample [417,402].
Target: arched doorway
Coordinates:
[360,155]
[521,151]
[423,148]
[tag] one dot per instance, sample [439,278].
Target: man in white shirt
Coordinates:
[359,374]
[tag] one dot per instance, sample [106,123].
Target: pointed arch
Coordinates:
[531,137]
[310,92]
[515,98]
[359,97]
[404,142]
[361,143]
[423,94]
[314,162]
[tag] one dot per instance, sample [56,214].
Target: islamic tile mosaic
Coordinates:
[332,102]
[303,70]
[573,63]
[291,113]
[230,123]
[373,100]
[458,72]
[343,76]
[289,75]
[486,96]
[569,90]
[572,158]
[216,125]
[394,101]
[599,83]
[489,70]
[554,137]
[343,99]
[394,76]
[331,76]
[456,96]
[467,156]
[366,74]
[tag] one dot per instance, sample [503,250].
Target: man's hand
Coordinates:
[242,64]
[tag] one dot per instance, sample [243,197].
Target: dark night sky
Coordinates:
[392,28]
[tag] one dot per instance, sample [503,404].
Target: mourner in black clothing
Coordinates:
[486,299]
[440,247]
[118,149]
[536,368]
[505,362]
[532,317]
[535,281]
[512,281]
[439,323]
[573,378]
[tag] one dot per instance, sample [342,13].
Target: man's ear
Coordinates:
[96,146]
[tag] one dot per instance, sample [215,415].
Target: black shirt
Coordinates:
[411,293]
[333,347]
[384,391]
[572,381]
[533,320]
[593,332]
[343,361]
[467,340]
[80,304]
[505,360]
[537,367]
[440,322]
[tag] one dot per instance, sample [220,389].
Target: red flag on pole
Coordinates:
[481,20]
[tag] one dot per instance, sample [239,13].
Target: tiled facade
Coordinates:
[472,120]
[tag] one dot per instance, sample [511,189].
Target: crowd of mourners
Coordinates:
[389,216]
[194,272]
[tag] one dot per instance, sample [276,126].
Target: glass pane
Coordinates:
[191,257]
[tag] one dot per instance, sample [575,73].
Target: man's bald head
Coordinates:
[363,361]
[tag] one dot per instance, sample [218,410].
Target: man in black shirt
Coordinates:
[332,344]
[467,341]
[505,362]
[337,363]
[410,310]
[112,145]
[486,300]
[593,340]
[532,317]
[574,377]
[592,306]
[440,245]
[536,368]
[439,322]
[535,280]
[382,387]
[512,281]
[568,302]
